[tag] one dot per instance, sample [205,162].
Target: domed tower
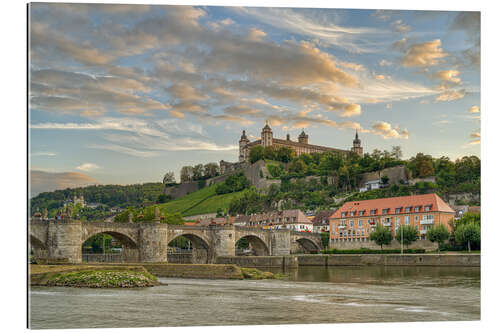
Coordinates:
[303,137]
[243,147]
[356,145]
[267,136]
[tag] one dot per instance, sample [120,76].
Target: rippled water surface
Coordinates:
[311,295]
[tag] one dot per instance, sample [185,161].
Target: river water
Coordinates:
[310,295]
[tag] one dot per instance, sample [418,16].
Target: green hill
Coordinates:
[200,202]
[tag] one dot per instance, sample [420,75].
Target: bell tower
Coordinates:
[356,145]
[303,137]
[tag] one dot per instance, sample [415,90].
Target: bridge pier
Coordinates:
[64,240]
[153,242]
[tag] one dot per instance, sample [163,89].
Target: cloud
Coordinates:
[386,130]
[43,153]
[451,95]
[88,167]
[385,62]
[399,26]
[353,66]
[41,181]
[476,136]
[470,24]
[424,54]
[450,75]
[475,109]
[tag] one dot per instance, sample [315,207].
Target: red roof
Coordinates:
[436,205]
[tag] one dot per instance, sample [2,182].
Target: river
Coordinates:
[310,295]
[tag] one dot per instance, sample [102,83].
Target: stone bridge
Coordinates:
[148,241]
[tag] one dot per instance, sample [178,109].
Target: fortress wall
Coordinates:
[395,174]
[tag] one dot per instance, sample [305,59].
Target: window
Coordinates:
[352,213]
[373,212]
[351,223]
[387,220]
[398,210]
[343,214]
[385,210]
[407,209]
[361,212]
[360,223]
[362,232]
[417,209]
[427,208]
[416,218]
[407,220]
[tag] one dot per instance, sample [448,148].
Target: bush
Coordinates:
[234,183]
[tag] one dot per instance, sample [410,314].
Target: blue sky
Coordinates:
[124,93]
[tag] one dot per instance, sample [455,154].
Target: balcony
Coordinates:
[341,226]
[423,232]
[426,221]
[387,224]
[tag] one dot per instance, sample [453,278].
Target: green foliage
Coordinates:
[381,236]
[162,198]
[275,169]
[242,243]
[325,238]
[469,234]
[147,214]
[256,154]
[95,244]
[249,202]
[421,166]
[107,195]
[438,234]
[234,183]
[410,234]
[201,184]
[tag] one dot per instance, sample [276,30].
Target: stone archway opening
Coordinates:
[37,249]
[109,246]
[251,246]
[188,248]
[307,246]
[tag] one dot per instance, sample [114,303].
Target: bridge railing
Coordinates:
[103,257]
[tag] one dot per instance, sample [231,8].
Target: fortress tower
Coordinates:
[303,137]
[243,147]
[356,145]
[267,136]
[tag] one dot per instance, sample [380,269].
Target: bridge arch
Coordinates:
[38,247]
[258,245]
[308,245]
[130,248]
[199,244]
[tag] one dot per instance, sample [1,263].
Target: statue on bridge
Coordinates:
[130,217]
[157,214]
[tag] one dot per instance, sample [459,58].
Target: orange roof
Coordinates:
[437,205]
[190,223]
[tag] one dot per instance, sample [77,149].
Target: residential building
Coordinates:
[355,220]
[321,222]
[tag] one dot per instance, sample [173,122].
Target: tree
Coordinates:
[186,173]
[438,234]
[198,172]
[297,166]
[467,234]
[421,165]
[284,154]
[256,154]
[162,198]
[270,153]
[410,234]
[396,152]
[381,236]
[169,178]
[211,170]
[385,180]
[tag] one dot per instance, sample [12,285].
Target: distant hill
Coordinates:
[109,195]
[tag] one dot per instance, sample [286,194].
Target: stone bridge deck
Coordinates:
[148,241]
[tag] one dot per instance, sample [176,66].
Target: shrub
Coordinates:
[371,251]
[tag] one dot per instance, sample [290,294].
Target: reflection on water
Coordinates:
[311,295]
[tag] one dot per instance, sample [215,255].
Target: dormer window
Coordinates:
[398,210]
[428,208]
[361,212]
[417,209]
[373,212]
[385,210]
[407,209]
[343,214]
[352,213]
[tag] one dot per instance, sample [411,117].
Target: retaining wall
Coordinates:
[261,261]
[470,260]
[419,244]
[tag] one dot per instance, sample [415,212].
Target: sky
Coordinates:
[121,94]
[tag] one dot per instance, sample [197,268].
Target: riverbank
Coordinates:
[91,276]
[117,275]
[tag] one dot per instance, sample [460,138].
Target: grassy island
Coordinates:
[103,279]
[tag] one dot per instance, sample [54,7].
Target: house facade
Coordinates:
[292,219]
[355,220]
[321,221]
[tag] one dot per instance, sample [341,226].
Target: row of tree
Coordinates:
[466,232]
[199,172]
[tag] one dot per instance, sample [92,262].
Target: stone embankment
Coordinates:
[293,261]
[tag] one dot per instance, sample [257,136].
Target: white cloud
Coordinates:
[475,109]
[89,167]
[386,130]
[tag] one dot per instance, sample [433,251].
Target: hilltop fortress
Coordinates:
[302,146]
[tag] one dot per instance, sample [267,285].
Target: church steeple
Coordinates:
[266,135]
